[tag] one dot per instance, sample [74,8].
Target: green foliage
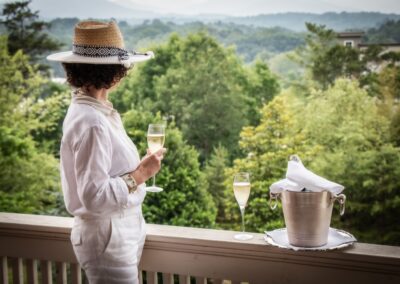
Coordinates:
[268,146]
[261,87]
[388,32]
[204,96]
[249,41]
[388,96]
[288,70]
[25,31]
[326,60]
[25,186]
[215,177]
[185,200]
[341,135]
[356,152]
[46,117]
[203,87]
[18,81]
[29,178]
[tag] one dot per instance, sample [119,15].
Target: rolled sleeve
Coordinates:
[97,190]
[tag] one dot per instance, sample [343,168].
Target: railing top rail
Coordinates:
[204,239]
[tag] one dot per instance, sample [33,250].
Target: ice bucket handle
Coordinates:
[273,200]
[341,198]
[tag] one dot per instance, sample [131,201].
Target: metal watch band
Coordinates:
[130,182]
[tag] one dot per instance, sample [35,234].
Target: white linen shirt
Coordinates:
[95,151]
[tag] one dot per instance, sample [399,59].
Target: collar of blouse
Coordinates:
[105,107]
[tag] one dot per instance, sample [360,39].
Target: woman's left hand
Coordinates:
[149,166]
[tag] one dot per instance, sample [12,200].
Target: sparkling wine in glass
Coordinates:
[155,141]
[241,189]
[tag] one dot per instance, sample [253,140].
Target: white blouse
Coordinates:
[95,151]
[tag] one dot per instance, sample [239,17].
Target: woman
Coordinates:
[101,173]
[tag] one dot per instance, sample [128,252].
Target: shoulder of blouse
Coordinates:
[82,119]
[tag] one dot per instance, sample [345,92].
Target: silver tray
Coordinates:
[336,239]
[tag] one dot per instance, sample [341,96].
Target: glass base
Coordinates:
[154,189]
[243,237]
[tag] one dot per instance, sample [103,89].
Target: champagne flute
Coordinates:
[241,189]
[155,141]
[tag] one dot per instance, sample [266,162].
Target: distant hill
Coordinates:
[249,41]
[337,21]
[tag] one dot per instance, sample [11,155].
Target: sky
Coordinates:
[145,8]
[254,7]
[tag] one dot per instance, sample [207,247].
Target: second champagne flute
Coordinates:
[155,141]
[241,189]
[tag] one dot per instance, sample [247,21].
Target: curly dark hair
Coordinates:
[94,75]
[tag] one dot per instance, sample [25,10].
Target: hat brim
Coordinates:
[69,57]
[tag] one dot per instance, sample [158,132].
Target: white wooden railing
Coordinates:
[37,249]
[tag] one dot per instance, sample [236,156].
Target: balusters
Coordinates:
[17,265]
[4,270]
[151,277]
[168,278]
[201,280]
[61,273]
[31,269]
[18,272]
[76,274]
[45,267]
[184,279]
[140,277]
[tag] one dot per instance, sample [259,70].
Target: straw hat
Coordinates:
[99,43]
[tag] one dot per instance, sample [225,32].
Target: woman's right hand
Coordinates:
[149,166]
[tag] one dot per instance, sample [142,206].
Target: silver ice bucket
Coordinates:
[308,215]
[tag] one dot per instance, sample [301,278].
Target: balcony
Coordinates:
[37,249]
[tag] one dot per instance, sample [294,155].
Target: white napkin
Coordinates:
[298,177]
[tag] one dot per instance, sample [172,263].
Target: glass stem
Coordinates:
[242,213]
[154,180]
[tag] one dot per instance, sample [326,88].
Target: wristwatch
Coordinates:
[130,182]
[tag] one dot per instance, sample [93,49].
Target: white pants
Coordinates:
[109,248]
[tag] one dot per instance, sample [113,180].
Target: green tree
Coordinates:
[340,134]
[389,95]
[205,96]
[261,87]
[268,147]
[46,117]
[215,177]
[326,60]
[185,200]
[203,86]
[356,152]
[388,32]
[29,180]
[26,32]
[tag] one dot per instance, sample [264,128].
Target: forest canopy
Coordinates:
[226,111]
